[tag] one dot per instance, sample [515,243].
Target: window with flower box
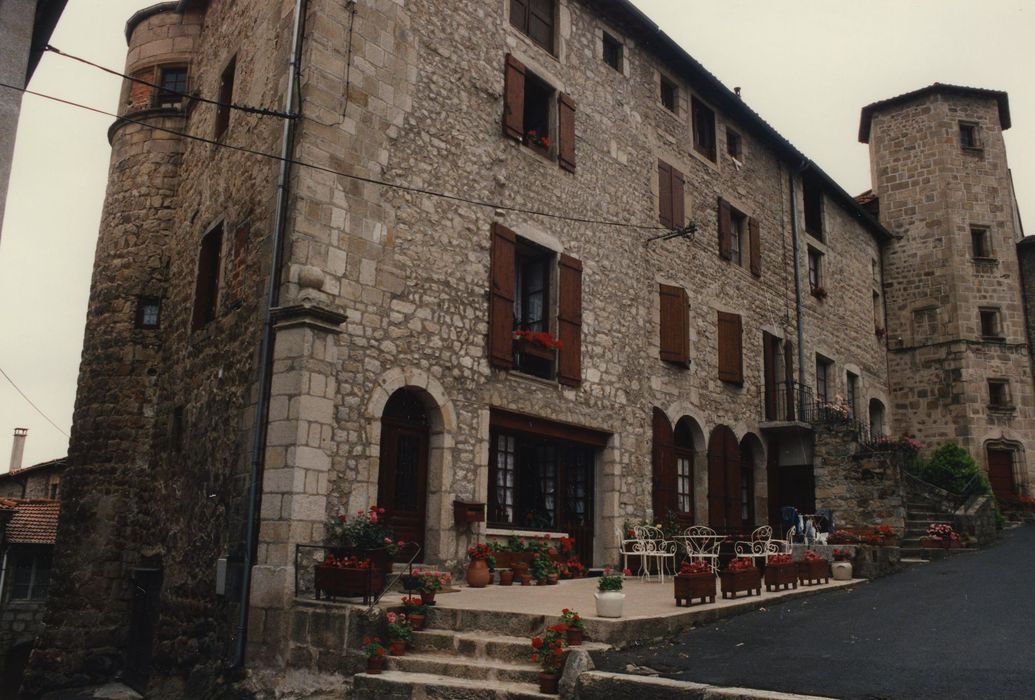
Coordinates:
[529,114]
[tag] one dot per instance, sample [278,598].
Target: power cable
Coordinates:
[38,409]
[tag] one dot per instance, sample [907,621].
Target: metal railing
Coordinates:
[786,402]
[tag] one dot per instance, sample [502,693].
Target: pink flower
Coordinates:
[627,572]
[373,517]
[391,618]
[380,510]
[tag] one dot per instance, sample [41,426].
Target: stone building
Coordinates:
[25,28]
[525,255]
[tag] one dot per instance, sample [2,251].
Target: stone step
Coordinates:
[441,664]
[511,624]
[481,645]
[912,561]
[396,685]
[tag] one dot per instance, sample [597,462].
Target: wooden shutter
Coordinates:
[569,322]
[717,478]
[663,458]
[731,365]
[788,378]
[566,132]
[725,230]
[675,324]
[731,459]
[514,98]
[665,194]
[756,247]
[769,375]
[678,213]
[501,297]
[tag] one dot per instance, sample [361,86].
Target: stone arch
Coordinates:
[689,426]
[753,479]
[442,422]
[877,418]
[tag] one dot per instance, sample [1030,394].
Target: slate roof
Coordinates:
[34,521]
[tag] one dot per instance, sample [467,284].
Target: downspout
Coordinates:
[798,308]
[266,346]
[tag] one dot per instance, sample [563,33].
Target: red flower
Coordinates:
[537,642]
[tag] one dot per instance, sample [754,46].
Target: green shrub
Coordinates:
[950,467]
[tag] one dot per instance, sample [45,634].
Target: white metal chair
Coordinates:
[626,547]
[652,547]
[761,545]
[702,544]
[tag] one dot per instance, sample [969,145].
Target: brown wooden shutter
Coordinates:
[733,495]
[717,478]
[675,324]
[725,230]
[731,364]
[665,194]
[514,99]
[756,247]
[566,132]
[663,467]
[501,297]
[678,212]
[788,378]
[569,322]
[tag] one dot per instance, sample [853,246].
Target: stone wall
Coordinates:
[16,21]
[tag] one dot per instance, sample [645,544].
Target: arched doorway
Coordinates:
[673,469]
[877,428]
[402,483]
[1002,457]
[724,508]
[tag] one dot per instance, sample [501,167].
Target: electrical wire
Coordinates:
[38,409]
[351,176]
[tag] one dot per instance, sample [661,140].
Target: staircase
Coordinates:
[467,656]
[925,505]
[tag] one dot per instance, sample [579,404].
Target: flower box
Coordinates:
[812,571]
[334,582]
[781,576]
[691,586]
[506,559]
[733,582]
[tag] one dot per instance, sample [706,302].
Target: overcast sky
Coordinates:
[806,66]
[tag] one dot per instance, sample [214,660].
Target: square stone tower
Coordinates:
[959,358]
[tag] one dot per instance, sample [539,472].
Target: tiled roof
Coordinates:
[34,522]
[999,96]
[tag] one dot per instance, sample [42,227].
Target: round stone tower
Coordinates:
[959,359]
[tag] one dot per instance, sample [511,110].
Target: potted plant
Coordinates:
[541,568]
[374,652]
[781,572]
[694,580]
[430,583]
[416,612]
[399,633]
[740,574]
[576,627]
[478,575]
[842,566]
[943,535]
[889,537]
[548,651]
[506,577]
[609,596]
[813,568]
[347,576]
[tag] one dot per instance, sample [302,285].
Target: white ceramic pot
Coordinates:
[609,604]
[842,570]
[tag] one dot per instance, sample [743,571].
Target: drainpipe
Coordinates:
[266,347]
[798,307]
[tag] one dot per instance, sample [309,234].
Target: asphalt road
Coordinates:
[963,627]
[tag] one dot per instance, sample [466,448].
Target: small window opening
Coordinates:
[226,98]
[533,268]
[704,129]
[206,291]
[668,94]
[733,144]
[812,197]
[534,18]
[738,229]
[149,312]
[979,242]
[999,393]
[815,272]
[172,86]
[613,52]
[990,326]
[969,135]
[538,98]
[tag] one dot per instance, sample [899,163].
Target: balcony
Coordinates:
[787,405]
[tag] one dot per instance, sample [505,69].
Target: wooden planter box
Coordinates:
[733,582]
[691,586]
[781,576]
[811,572]
[334,582]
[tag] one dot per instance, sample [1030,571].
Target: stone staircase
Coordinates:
[481,656]
[925,506]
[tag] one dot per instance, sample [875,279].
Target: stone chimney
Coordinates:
[18,448]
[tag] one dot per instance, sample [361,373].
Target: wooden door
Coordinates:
[402,488]
[1000,472]
[663,459]
[723,479]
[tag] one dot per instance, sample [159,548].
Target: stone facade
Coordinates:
[386,288]
[38,481]
[936,194]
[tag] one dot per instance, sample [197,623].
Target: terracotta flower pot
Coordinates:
[552,579]
[575,636]
[478,575]
[506,578]
[548,683]
[417,622]
[526,580]
[375,664]
[397,647]
[427,597]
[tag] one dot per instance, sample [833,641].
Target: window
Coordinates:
[731,362]
[733,143]
[739,238]
[172,86]
[671,197]
[30,579]
[206,292]
[148,312]
[878,316]
[528,114]
[812,196]
[824,373]
[875,271]
[816,273]
[704,129]
[969,135]
[524,314]
[669,94]
[980,245]
[738,224]
[999,393]
[675,325]
[54,488]
[925,324]
[876,418]
[226,98]
[535,18]
[613,52]
[851,392]
[990,324]
[684,452]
